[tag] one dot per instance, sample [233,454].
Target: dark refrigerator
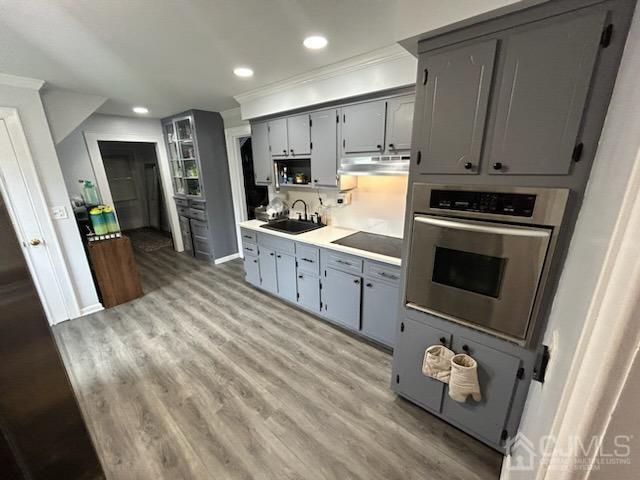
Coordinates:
[42,432]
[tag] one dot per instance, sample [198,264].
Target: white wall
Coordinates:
[387,68]
[66,110]
[29,106]
[378,204]
[614,161]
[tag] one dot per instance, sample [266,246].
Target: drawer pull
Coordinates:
[308,260]
[343,262]
[248,237]
[369,285]
[388,275]
[300,276]
[356,282]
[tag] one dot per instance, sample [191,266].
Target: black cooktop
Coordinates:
[372,242]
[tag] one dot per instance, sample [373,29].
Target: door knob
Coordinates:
[35,241]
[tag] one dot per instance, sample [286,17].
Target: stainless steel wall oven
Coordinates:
[481,255]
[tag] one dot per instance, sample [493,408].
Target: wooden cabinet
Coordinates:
[262,162]
[399,124]
[324,152]
[268,272]
[341,297]
[542,93]
[116,271]
[286,274]
[299,135]
[451,108]
[363,128]
[278,140]
[411,342]
[497,376]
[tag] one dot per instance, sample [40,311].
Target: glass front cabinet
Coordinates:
[183,156]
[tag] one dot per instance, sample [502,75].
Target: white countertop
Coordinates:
[322,237]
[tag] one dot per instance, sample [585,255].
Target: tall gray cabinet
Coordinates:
[202,188]
[517,100]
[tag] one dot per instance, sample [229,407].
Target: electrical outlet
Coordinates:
[59,213]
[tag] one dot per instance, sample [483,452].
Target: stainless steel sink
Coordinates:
[294,227]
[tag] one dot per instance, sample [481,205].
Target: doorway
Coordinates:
[254,195]
[132,172]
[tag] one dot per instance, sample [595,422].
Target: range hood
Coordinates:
[375,165]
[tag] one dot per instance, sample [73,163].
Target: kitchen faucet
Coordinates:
[305,208]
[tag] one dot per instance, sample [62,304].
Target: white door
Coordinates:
[29,216]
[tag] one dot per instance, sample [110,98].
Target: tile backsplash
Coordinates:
[378,204]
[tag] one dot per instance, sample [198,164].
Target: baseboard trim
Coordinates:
[220,260]
[91,309]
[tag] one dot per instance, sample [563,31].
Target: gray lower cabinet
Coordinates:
[363,127]
[379,310]
[341,297]
[200,238]
[451,109]
[308,291]
[286,275]
[252,270]
[262,162]
[324,154]
[185,230]
[544,86]
[412,341]
[497,376]
[268,271]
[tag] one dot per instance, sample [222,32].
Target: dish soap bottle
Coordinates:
[89,193]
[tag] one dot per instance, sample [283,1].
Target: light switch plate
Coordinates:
[59,213]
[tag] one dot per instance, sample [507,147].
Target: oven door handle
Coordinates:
[483,228]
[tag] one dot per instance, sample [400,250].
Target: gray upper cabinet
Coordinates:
[341,298]
[299,135]
[324,159]
[286,273]
[542,93]
[268,275]
[399,124]
[408,379]
[379,310]
[497,376]
[363,128]
[451,119]
[262,163]
[278,139]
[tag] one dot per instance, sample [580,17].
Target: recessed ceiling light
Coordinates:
[315,42]
[243,72]
[141,110]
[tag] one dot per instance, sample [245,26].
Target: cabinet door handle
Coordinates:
[271,254]
[443,340]
[292,151]
[468,165]
[279,256]
[379,147]
[284,151]
[255,261]
[300,276]
[369,285]
[497,166]
[391,146]
[466,349]
[356,281]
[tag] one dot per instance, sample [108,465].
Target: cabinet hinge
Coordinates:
[402,326]
[297,296]
[310,123]
[344,143]
[605,38]
[320,305]
[397,378]
[311,146]
[520,374]
[296,263]
[425,76]
[269,147]
[419,157]
[504,435]
[577,152]
[268,128]
[320,285]
[337,118]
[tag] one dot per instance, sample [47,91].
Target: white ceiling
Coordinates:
[172,55]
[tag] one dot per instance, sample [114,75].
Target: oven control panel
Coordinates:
[499,203]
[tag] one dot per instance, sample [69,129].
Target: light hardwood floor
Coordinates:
[206,377]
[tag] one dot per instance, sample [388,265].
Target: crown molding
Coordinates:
[382,55]
[20,82]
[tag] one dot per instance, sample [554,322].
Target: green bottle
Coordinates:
[110,219]
[98,221]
